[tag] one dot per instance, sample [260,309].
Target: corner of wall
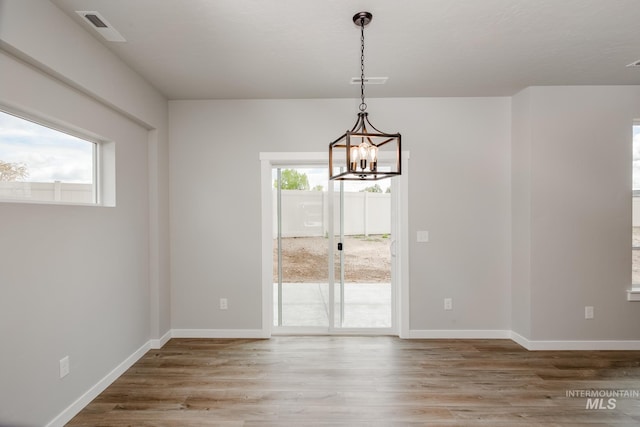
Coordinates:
[521,213]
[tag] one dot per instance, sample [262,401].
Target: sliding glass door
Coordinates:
[332,246]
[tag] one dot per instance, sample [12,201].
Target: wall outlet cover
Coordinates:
[64,366]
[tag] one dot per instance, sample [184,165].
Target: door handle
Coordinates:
[340,246]
[392,248]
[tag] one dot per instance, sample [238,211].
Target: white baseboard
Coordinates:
[534,345]
[66,415]
[159,343]
[519,339]
[419,334]
[458,334]
[217,333]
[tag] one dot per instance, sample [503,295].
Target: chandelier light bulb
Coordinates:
[373,158]
[363,153]
[354,157]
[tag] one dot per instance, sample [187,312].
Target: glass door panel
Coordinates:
[300,248]
[362,287]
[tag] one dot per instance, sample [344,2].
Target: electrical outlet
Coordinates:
[224,304]
[588,312]
[448,303]
[64,366]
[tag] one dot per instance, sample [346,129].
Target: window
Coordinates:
[635,277]
[39,163]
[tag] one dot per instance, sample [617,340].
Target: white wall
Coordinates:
[87,295]
[34,30]
[100,290]
[40,34]
[459,192]
[578,149]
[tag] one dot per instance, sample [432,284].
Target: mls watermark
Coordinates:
[603,398]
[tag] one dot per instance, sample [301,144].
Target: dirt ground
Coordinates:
[367,259]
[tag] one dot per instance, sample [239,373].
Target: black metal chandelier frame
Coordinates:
[359,147]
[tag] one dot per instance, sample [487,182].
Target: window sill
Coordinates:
[633,294]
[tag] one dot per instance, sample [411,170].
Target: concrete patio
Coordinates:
[367,305]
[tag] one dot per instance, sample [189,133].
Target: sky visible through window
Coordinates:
[49,155]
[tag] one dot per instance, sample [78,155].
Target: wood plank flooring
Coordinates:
[365,381]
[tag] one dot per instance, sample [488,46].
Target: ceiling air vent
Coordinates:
[369,80]
[95,20]
[101,25]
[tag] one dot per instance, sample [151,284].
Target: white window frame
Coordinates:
[103,159]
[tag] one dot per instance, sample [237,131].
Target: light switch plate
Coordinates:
[588,312]
[423,236]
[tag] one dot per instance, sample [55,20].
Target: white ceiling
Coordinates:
[225,49]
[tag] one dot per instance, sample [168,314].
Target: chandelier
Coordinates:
[357,154]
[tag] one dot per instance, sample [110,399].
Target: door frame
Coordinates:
[400,300]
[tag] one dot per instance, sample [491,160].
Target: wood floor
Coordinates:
[366,381]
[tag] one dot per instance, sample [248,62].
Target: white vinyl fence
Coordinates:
[306,213]
[47,192]
[636,211]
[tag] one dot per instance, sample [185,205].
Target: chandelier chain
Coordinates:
[363,105]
